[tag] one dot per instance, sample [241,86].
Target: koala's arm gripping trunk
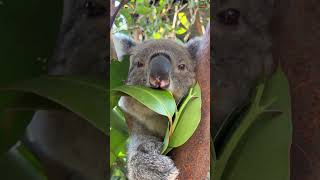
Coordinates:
[144,158]
[193,158]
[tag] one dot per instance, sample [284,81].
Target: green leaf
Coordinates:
[119,72]
[125,12]
[228,126]
[143,10]
[181,30]
[259,147]
[139,1]
[117,121]
[156,35]
[117,144]
[159,101]
[118,75]
[184,20]
[161,5]
[187,118]
[66,91]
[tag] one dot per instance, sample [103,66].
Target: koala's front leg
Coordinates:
[145,161]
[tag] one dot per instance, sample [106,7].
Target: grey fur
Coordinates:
[241,54]
[145,161]
[193,46]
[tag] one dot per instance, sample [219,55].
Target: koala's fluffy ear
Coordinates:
[193,45]
[122,44]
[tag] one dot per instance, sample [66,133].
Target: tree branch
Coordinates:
[113,13]
[193,158]
[116,10]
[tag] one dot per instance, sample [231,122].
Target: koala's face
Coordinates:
[162,64]
[241,51]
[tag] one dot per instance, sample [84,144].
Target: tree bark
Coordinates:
[193,158]
[296,30]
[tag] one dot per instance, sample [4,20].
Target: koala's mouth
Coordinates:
[158,83]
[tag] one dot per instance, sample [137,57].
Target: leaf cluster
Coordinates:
[254,143]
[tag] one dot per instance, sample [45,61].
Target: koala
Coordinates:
[67,145]
[241,53]
[159,64]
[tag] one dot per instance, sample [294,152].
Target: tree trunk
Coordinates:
[296,30]
[193,158]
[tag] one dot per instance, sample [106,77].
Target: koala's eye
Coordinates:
[229,17]
[181,67]
[140,64]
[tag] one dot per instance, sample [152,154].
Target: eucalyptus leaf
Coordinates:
[187,118]
[117,121]
[117,144]
[184,20]
[156,35]
[66,91]
[118,75]
[143,10]
[260,146]
[119,71]
[159,101]
[228,126]
[181,30]
[125,12]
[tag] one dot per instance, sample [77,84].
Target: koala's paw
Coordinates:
[148,164]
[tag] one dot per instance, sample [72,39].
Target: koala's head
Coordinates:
[160,64]
[241,51]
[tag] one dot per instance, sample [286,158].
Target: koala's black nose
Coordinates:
[160,67]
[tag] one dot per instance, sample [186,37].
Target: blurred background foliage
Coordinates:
[180,20]
[170,19]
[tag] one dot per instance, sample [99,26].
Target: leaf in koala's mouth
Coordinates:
[159,101]
[186,119]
